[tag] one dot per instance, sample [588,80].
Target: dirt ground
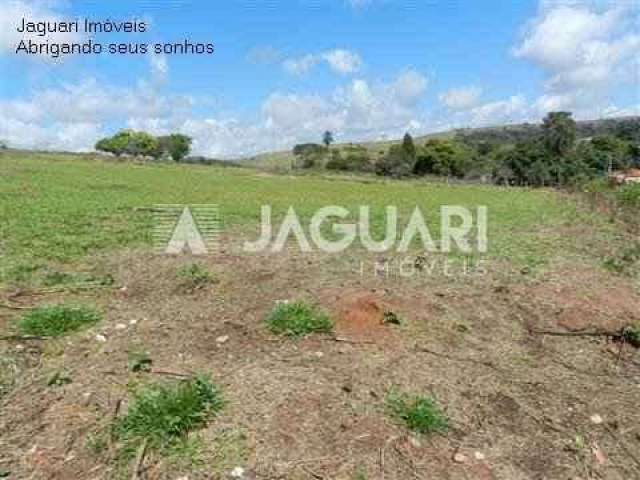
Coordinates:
[523,405]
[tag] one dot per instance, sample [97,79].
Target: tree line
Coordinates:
[552,156]
[175,146]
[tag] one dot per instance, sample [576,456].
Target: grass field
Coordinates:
[118,362]
[61,207]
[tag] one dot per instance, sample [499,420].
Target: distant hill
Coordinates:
[498,134]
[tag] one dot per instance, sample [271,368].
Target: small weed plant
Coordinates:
[57,320]
[298,319]
[163,415]
[419,414]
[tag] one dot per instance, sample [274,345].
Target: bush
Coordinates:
[629,195]
[354,160]
[194,276]
[419,414]
[396,163]
[297,320]
[162,414]
[57,320]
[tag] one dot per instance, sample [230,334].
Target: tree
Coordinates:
[559,133]
[130,142]
[396,163]
[175,145]
[3,145]
[327,138]
[408,146]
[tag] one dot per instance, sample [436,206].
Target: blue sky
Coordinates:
[284,71]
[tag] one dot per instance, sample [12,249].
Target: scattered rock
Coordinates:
[133,322]
[121,326]
[479,456]
[596,419]
[460,458]
[237,472]
[222,339]
[415,442]
[101,338]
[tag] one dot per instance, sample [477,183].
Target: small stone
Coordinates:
[222,339]
[460,458]
[133,322]
[479,456]
[415,443]
[237,472]
[319,354]
[596,419]
[101,338]
[121,326]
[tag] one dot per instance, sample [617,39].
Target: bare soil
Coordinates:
[521,405]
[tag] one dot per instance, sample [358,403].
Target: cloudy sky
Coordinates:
[285,71]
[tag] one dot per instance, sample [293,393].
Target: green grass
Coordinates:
[57,320]
[297,320]
[418,413]
[194,276]
[57,208]
[163,414]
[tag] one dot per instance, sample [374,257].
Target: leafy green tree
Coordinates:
[408,146]
[327,138]
[559,133]
[396,163]
[175,145]
[443,157]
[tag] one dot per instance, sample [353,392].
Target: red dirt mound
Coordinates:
[361,318]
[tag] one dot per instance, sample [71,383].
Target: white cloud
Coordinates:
[343,61]
[74,116]
[461,98]
[300,66]
[586,49]
[159,68]
[13,11]
[512,110]
[340,61]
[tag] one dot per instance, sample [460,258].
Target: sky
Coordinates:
[285,71]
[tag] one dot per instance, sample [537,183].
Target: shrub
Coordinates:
[57,320]
[396,163]
[162,414]
[419,414]
[194,276]
[629,195]
[297,320]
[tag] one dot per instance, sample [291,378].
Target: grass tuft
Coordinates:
[297,320]
[164,414]
[194,277]
[419,414]
[57,320]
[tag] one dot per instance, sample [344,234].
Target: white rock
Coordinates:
[101,338]
[597,419]
[479,456]
[133,322]
[237,472]
[319,354]
[121,326]
[460,458]
[222,339]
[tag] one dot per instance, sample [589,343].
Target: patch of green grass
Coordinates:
[58,207]
[139,361]
[195,276]
[164,414]
[418,413]
[297,320]
[57,320]
[624,261]
[631,334]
